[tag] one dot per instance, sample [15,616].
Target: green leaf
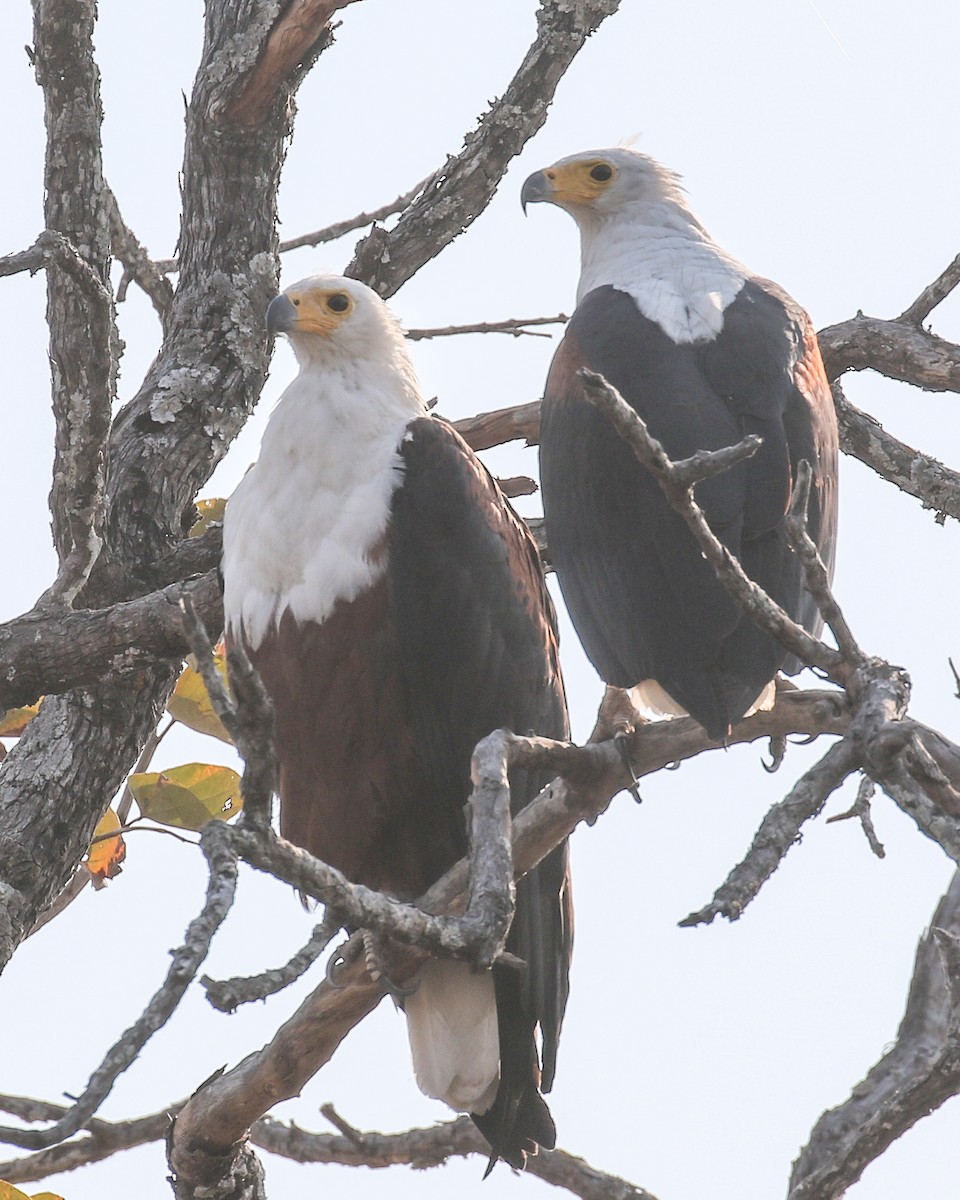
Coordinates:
[187,796]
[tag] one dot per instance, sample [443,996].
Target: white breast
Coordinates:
[300,528]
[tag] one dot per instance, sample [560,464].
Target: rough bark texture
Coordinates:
[82,334]
[162,447]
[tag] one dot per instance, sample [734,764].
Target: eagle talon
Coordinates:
[372,957]
[620,741]
[334,963]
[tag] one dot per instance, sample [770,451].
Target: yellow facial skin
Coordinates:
[312,310]
[570,183]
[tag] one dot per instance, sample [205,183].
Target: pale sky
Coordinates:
[818,144]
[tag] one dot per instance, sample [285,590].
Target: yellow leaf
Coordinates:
[210,511]
[104,857]
[12,724]
[187,796]
[190,702]
[9,1192]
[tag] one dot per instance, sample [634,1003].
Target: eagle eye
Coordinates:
[339,302]
[601,172]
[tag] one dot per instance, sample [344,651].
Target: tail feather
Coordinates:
[452,1026]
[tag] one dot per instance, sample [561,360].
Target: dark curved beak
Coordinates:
[536,188]
[281,316]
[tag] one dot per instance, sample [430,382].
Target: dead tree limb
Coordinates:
[462,188]
[916,1076]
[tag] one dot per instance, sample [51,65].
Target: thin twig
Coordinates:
[861,810]
[779,830]
[517,326]
[816,576]
[677,480]
[228,994]
[330,233]
[186,962]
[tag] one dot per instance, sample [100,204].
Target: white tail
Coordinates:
[454,1036]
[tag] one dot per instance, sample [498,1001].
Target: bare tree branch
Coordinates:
[422,1148]
[302,29]
[915,1077]
[502,425]
[779,830]
[228,994]
[105,1139]
[220,1113]
[83,338]
[163,446]
[932,295]
[417,1148]
[461,189]
[46,655]
[863,437]
[137,264]
[895,349]
[186,962]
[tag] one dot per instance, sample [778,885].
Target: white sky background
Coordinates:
[693,1062]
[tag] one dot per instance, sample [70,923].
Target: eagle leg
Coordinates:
[617,718]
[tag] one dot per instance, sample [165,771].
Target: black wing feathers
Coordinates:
[476,632]
[644,601]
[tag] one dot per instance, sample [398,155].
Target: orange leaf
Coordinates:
[104,857]
[12,724]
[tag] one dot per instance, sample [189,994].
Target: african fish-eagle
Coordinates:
[395,608]
[706,353]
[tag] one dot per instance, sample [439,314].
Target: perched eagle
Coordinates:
[706,353]
[395,608]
